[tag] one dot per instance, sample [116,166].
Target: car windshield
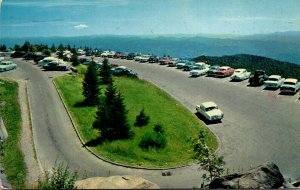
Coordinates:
[273,79]
[289,83]
[211,108]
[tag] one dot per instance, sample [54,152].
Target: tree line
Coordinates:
[252,63]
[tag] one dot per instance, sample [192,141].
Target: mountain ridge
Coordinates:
[283,46]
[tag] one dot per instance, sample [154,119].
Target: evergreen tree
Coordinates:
[53,49]
[3,47]
[17,47]
[61,54]
[26,46]
[142,119]
[61,47]
[111,117]
[74,59]
[105,73]
[91,85]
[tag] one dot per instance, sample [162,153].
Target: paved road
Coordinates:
[259,125]
[55,138]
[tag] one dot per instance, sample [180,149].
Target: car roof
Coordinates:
[122,67]
[209,104]
[275,76]
[291,80]
[224,67]
[240,69]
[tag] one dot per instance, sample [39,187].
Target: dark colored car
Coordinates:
[130,56]
[124,55]
[212,70]
[258,78]
[18,54]
[123,71]
[188,66]
[53,66]
[153,59]
[32,55]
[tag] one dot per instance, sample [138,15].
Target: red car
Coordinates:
[224,71]
[118,55]
[164,61]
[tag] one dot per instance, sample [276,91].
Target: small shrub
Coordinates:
[142,119]
[158,129]
[154,139]
[59,178]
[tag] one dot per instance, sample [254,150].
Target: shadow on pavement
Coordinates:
[207,122]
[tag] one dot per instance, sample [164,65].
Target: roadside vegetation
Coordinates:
[252,63]
[11,154]
[177,125]
[60,177]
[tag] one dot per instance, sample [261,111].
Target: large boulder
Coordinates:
[265,176]
[115,182]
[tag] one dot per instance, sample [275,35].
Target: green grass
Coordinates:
[12,158]
[180,125]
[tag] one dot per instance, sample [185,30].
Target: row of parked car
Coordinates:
[289,85]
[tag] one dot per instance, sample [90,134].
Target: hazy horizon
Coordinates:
[70,18]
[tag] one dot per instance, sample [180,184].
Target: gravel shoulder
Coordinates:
[26,143]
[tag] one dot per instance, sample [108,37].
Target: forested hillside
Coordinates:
[252,63]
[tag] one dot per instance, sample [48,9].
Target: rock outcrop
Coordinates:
[265,176]
[115,182]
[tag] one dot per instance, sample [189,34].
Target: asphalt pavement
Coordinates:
[259,125]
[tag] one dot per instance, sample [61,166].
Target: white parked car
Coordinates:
[290,85]
[80,52]
[210,111]
[240,74]
[111,54]
[199,70]
[7,65]
[105,54]
[144,58]
[1,58]
[46,60]
[274,81]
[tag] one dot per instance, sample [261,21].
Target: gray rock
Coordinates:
[116,182]
[265,176]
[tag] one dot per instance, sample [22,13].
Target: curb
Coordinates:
[91,151]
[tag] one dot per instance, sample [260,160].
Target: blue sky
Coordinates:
[21,18]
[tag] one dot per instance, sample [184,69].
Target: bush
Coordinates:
[142,119]
[155,139]
[59,178]
[158,129]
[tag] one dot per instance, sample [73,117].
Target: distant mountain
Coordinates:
[283,46]
[252,63]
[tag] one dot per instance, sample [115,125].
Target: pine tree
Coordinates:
[53,49]
[111,117]
[26,46]
[91,85]
[74,59]
[105,73]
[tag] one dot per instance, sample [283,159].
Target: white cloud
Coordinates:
[81,26]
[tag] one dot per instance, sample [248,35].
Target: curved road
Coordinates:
[258,125]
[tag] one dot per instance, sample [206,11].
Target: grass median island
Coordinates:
[179,124]
[12,158]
